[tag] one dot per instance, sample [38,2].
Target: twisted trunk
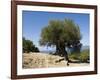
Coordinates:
[61,50]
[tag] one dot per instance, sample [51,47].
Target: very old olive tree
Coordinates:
[62,34]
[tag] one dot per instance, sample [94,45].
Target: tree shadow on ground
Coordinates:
[70,61]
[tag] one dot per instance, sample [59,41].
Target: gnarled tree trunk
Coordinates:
[61,51]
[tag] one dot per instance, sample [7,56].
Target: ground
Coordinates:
[43,60]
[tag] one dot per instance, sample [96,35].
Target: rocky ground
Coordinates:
[41,60]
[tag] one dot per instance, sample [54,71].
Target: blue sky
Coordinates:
[34,21]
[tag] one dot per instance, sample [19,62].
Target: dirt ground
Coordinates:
[41,60]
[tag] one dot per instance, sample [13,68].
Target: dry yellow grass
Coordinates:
[41,60]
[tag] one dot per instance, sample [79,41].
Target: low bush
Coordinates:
[82,57]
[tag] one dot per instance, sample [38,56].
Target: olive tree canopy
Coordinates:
[62,34]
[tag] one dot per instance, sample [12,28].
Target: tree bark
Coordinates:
[61,51]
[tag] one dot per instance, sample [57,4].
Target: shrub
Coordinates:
[28,46]
[83,56]
[74,56]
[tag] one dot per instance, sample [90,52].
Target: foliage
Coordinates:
[28,46]
[74,56]
[66,31]
[61,34]
[83,56]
